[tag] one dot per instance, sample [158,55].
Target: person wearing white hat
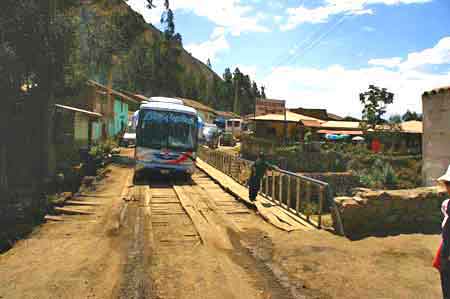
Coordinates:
[444,268]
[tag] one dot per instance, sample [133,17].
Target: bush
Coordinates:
[381,175]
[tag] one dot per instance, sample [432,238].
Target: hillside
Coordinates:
[118,43]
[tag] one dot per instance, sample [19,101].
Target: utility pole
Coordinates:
[254,115]
[236,97]
[285,125]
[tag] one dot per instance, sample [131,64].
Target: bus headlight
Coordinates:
[139,166]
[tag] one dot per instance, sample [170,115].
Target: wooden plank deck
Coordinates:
[272,213]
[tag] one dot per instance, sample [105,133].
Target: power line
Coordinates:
[316,42]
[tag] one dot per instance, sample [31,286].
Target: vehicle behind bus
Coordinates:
[234,126]
[166,137]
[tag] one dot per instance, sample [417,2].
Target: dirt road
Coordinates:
[168,239]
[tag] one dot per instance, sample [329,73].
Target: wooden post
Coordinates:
[90,132]
[297,202]
[321,198]
[273,187]
[280,191]
[288,201]
[308,197]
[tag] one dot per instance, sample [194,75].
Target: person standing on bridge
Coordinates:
[442,259]
[258,170]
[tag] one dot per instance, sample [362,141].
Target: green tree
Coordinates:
[168,20]
[237,84]
[37,43]
[255,90]
[409,115]
[375,102]
[263,92]
[395,119]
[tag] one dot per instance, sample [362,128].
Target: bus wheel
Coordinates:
[186,177]
[137,177]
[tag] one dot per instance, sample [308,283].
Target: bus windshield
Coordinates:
[164,129]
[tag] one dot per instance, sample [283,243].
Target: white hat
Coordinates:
[445,177]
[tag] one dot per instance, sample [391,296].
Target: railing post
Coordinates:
[308,198]
[297,202]
[223,163]
[280,191]
[321,198]
[288,201]
[273,186]
[266,185]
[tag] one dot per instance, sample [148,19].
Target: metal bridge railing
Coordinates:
[306,197]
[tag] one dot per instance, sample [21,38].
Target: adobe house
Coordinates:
[207,113]
[113,105]
[436,134]
[279,126]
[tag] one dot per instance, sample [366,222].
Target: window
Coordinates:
[172,130]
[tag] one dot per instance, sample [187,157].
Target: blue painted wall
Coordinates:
[120,117]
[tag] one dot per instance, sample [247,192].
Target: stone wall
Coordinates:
[436,134]
[391,212]
[342,183]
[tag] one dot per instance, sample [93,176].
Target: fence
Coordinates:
[306,197]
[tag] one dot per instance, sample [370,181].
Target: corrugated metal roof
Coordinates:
[413,126]
[227,114]
[114,92]
[90,113]
[340,132]
[341,124]
[290,117]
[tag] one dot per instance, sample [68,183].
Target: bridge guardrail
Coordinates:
[304,196]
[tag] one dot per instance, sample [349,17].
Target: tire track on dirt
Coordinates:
[134,282]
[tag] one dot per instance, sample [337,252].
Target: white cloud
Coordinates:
[230,14]
[386,62]
[440,54]
[301,14]
[218,32]
[210,49]
[336,88]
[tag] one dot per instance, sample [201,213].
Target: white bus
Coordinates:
[234,126]
[166,137]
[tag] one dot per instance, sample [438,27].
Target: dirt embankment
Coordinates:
[76,258]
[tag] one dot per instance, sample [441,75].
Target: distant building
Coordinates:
[207,113]
[436,134]
[316,113]
[226,114]
[113,107]
[278,126]
[322,114]
[269,106]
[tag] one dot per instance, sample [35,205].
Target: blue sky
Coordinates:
[321,53]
